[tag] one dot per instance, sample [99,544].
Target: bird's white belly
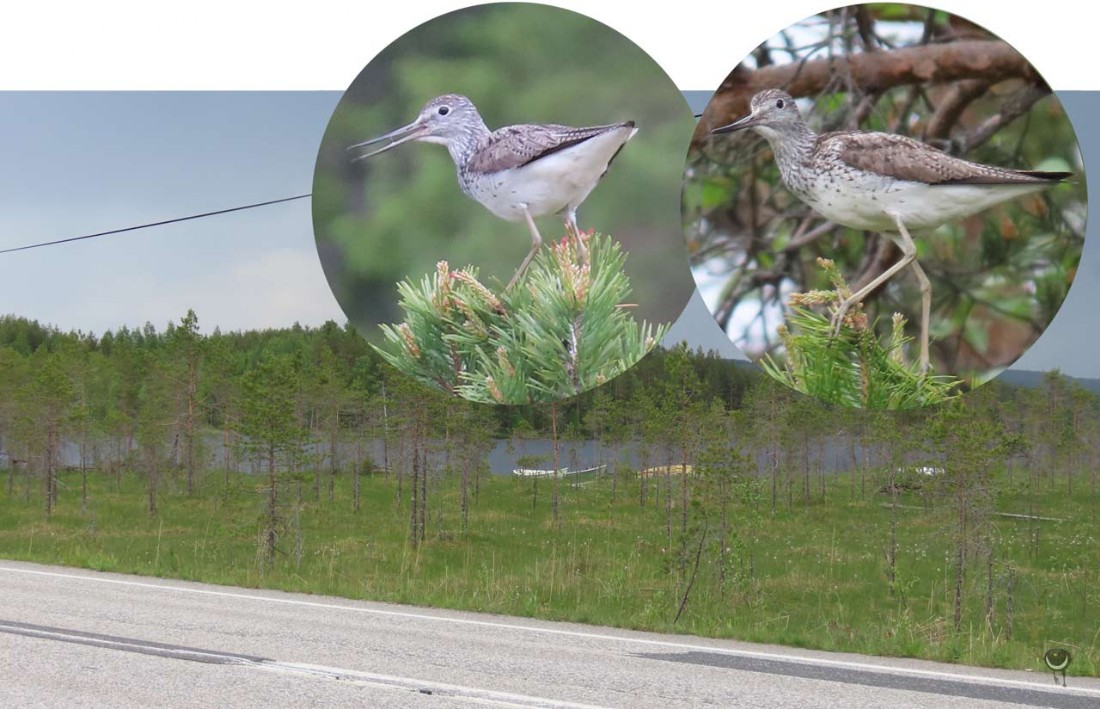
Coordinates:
[550,184]
[871,203]
[505,194]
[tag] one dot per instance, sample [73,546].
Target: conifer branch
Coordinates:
[562,330]
[853,368]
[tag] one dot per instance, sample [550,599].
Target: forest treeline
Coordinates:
[114,373]
[127,390]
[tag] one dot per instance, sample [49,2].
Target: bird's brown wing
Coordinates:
[515,146]
[903,158]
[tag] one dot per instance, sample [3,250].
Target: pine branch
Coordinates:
[853,368]
[563,330]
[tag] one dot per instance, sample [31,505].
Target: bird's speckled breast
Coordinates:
[850,198]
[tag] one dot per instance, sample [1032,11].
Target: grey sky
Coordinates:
[75,163]
[82,162]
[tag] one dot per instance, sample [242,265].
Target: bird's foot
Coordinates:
[580,240]
[837,323]
[844,315]
[582,246]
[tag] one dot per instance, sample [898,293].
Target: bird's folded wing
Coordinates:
[903,158]
[515,146]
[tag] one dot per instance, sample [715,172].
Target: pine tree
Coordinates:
[187,349]
[270,429]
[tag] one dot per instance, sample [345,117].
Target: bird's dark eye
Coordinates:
[444,110]
[780,103]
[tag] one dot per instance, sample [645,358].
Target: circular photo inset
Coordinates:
[496,203]
[884,205]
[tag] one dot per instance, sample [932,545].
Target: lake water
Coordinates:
[503,458]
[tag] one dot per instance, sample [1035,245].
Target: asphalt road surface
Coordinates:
[75,638]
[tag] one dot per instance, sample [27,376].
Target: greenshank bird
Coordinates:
[883,183]
[517,172]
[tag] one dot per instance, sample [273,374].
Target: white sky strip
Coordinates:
[137,45]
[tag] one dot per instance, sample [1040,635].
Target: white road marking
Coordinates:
[845,664]
[451,691]
[412,684]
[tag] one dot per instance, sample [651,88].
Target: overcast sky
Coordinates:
[76,163]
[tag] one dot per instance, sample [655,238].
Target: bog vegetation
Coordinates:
[295,459]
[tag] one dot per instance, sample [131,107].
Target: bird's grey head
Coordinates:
[449,120]
[772,112]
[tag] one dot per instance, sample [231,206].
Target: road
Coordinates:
[76,638]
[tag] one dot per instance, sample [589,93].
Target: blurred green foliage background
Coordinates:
[379,220]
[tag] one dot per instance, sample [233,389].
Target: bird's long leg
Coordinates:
[574,231]
[908,257]
[536,242]
[925,312]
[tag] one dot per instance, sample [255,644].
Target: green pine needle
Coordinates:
[853,368]
[563,329]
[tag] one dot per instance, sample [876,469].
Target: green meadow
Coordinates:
[810,574]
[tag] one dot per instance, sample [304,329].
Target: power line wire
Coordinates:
[152,224]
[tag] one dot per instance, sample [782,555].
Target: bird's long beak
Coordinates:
[413,131]
[740,124]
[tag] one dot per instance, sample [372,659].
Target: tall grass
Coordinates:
[811,577]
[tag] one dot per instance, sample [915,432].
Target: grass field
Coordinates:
[811,576]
